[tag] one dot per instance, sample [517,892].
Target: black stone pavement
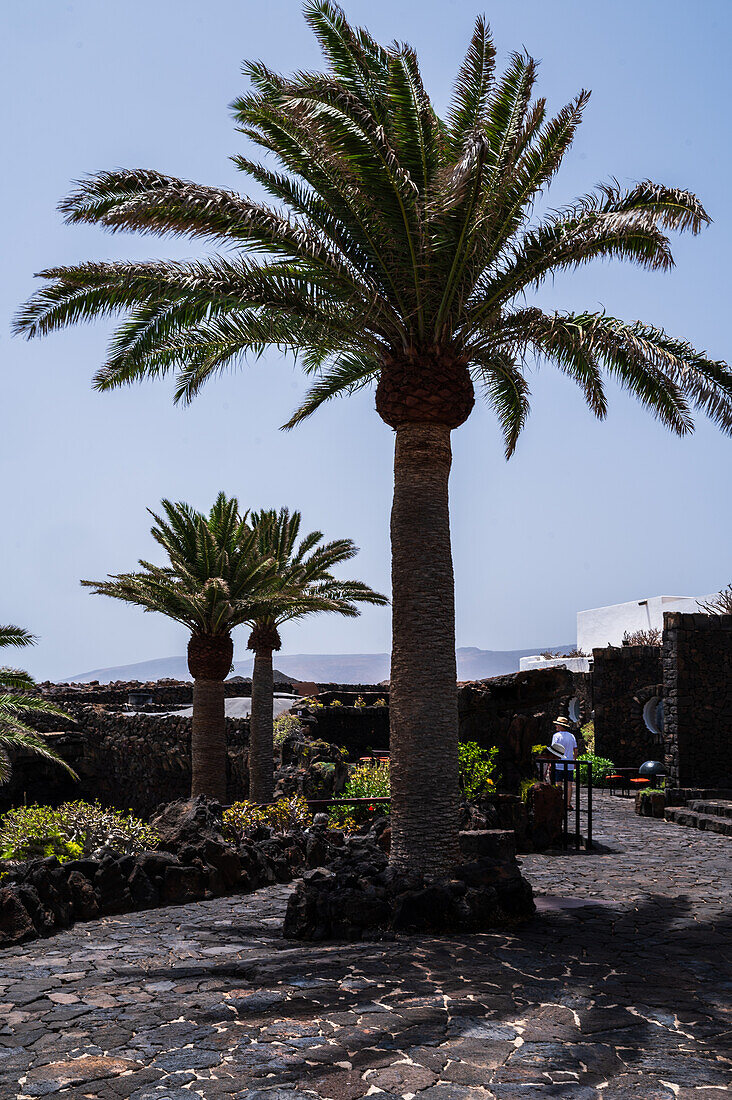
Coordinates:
[618,990]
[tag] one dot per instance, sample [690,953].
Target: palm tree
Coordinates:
[398,252]
[303,585]
[18,701]
[209,584]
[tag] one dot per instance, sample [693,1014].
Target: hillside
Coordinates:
[338,668]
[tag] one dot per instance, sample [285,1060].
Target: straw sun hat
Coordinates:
[563,722]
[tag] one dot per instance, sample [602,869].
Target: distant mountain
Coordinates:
[334,668]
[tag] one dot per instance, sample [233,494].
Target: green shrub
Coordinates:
[477,767]
[73,830]
[284,816]
[367,780]
[588,733]
[284,725]
[601,767]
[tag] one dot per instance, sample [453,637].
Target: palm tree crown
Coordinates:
[303,582]
[213,574]
[398,249]
[18,702]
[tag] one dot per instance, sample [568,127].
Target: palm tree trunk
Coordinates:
[423,696]
[208,740]
[261,726]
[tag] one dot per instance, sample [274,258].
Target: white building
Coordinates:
[603,626]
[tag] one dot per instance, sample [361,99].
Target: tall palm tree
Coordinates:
[397,253]
[303,585]
[18,702]
[210,582]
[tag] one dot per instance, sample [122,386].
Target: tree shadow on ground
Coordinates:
[572,1000]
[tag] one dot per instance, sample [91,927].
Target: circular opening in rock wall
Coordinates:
[653,715]
[574,709]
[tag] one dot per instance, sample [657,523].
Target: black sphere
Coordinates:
[650,769]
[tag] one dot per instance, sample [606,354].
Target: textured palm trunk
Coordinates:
[208,740]
[261,751]
[423,699]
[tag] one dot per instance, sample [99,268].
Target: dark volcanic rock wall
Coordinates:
[513,713]
[623,680]
[697,672]
[167,693]
[131,761]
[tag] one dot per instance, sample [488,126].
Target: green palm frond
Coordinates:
[386,230]
[19,700]
[305,584]
[213,575]
[16,636]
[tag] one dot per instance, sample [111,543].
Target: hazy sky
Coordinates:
[585,514]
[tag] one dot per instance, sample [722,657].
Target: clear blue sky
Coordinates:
[585,514]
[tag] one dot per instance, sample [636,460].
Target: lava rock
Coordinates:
[188,822]
[358,895]
[83,897]
[16,925]
[182,884]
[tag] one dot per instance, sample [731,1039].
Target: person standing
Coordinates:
[564,737]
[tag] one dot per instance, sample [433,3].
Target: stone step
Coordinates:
[718,807]
[711,823]
[680,796]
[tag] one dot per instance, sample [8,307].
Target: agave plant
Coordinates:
[303,584]
[210,584]
[398,253]
[19,701]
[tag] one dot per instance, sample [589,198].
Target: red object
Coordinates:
[372,807]
[640,781]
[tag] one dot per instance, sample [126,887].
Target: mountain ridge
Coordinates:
[340,668]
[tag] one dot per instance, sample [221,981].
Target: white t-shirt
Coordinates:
[569,743]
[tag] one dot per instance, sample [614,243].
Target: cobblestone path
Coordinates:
[619,990]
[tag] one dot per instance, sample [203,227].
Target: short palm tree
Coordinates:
[398,253]
[212,578]
[19,701]
[303,585]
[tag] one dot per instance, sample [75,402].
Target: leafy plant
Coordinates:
[360,702]
[366,780]
[336,703]
[601,767]
[526,785]
[284,725]
[381,703]
[19,701]
[477,768]
[72,830]
[284,816]
[587,733]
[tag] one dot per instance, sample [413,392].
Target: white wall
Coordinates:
[574,664]
[604,626]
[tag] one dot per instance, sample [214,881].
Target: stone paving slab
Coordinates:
[619,990]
